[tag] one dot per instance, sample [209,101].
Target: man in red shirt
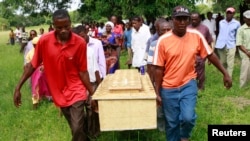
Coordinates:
[64,56]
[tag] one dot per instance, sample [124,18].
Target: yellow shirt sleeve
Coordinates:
[29,55]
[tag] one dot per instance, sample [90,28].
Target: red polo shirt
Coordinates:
[62,64]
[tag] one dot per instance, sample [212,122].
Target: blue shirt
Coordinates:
[151,39]
[151,52]
[127,37]
[111,39]
[227,34]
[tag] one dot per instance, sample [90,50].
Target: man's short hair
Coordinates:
[208,13]
[79,29]
[137,18]
[60,14]
[197,13]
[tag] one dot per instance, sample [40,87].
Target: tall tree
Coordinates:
[44,7]
[221,5]
[128,8]
[240,5]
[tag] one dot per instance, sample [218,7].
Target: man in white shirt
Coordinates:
[139,38]
[210,23]
[17,33]
[97,46]
[93,66]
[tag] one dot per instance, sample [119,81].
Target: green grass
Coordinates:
[216,105]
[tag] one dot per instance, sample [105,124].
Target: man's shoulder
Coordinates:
[223,21]
[77,40]
[204,26]
[191,31]
[144,27]
[236,21]
[153,43]
[47,36]
[94,41]
[90,51]
[205,21]
[165,36]
[153,37]
[242,27]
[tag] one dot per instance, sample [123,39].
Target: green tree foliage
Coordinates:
[5,10]
[221,5]
[4,24]
[202,8]
[44,7]
[239,5]
[94,9]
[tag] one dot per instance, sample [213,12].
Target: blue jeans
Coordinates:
[179,110]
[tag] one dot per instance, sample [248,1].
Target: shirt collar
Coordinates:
[245,26]
[71,41]
[232,21]
[91,41]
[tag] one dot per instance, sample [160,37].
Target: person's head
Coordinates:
[11,30]
[202,16]
[230,13]
[35,41]
[109,26]
[62,24]
[128,25]
[180,18]
[101,24]
[164,27]
[41,31]
[87,27]
[157,23]
[81,31]
[137,22]
[23,29]
[209,15]
[246,15]
[114,19]
[195,19]
[33,34]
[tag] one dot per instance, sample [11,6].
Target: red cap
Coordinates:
[230,9]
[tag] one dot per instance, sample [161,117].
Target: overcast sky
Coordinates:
[75,5]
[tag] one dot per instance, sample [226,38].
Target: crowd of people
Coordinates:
[67,63]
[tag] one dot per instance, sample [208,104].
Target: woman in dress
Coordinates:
[110,43]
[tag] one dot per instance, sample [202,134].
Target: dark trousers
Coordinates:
[75,114]
[12,41]
[200,70]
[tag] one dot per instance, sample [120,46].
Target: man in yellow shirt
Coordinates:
[242,42]
[12,37]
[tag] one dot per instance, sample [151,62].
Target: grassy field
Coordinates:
[216,105]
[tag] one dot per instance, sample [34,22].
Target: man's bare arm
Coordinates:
[28,70]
